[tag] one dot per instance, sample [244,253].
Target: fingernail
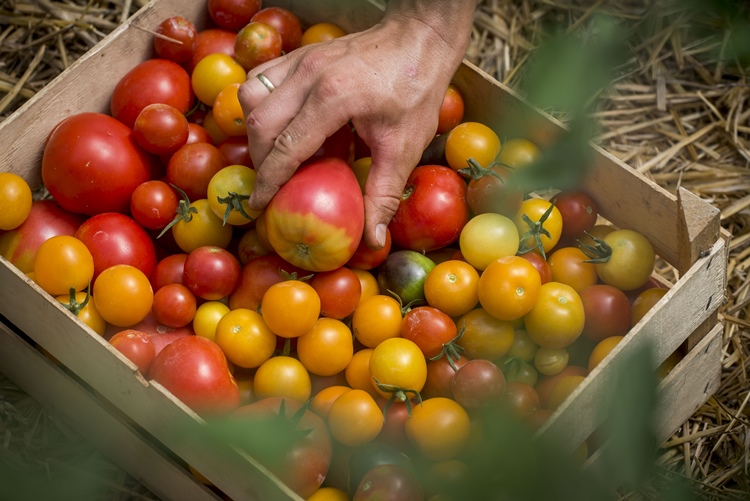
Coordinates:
[380,234]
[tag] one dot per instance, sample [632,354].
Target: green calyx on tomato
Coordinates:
[452,350]
[601,252]
[476,171]
[73,305]
[535,231]
[233,201]
[397,393]
[184,211]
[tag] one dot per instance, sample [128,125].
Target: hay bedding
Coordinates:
[676,112]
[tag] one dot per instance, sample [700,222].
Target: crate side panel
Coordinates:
[49,385]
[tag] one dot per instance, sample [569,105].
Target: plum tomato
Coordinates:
[339,291]
[149,82]
[285,22]
[211,272]
[178,40]
[136,346]
[308,233]
[91,164]
[433,209]
[256,43]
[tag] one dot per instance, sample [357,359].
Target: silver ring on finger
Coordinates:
[266,82]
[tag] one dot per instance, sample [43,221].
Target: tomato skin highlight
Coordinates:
[315,220]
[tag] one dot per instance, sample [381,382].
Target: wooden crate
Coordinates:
[106,397]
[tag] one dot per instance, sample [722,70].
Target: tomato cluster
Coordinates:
[484,297]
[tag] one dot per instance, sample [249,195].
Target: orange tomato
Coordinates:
[509,287]
[228,112]
[290,308]
[452,287]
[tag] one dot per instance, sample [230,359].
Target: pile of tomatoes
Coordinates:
[484,297]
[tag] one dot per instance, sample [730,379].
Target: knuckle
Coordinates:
[285,145]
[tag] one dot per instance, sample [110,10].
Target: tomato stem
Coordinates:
[184,211]
[73,305]
[599,253]
[452,350]
[535,231]
[476,171]
[397,393]
[233,201]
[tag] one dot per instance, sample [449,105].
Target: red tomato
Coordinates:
[431,330]
[136,346]
[389,481]
[183,35]
[541,265]
[169,270]
[152,81]
[211,272]
[236,151]
[174,306]
[304,461]
[192,167]
[478,384]
[451,111]
[256,43]
[285,22]
[433,209]
[232,14]
[198,134]
[491,191]
[46,220]
[212,41]
[161,129]
[92,164]
[195,370]
[440,375]
[606,312]
[114,239]
[153,204]
[308,233]
[256,277]
[339,292]
[365,258]
[579,213]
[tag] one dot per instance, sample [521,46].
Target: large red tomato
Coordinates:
[152,81]
[92,164]
[46,220]
[195,370]
[302,449]
[114,239]
[433,209]
[315,220]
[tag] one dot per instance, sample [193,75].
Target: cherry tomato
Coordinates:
[478,384]
[339,291]
[178,41]
[63,262]
[232,14]
[197,134]
[389,481]
[355,418]
[322,401]
[376,319]
[440,375]
[282,376]
[153,204]
[568,266]
[551,361]
[451,111]
[626,259]
[228,112]
[82,306]
[368,283]
[15,201]
[174,305]
[192,167]
[160,129]
[250,246]
[123,295]
[518,153]
[487,237]
[439,427]
[484,336]
[490,190]
[211,272]
[202,228]
[579,212]
[228,192]
[539,225]
[471,140]
[398,363]
[403,273]
[290,308]
[545,384]
[321,32]
[521,399]
[602,349]
[562,390]
[285,22]
[509,288]
[213,73]
[606,310]
[256,277]
[256,43]
[168,270]
[452,287]
[365,258]
[357,373]
[541,265]
[431,330]
[211,41]
[433,209]
[149,82]
[644,302]
[207,318]
[557,318]
[236,151]
[244,338]
[327,348]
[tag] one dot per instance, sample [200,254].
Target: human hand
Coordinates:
[389,81]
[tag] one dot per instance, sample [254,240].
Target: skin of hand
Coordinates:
[389,81]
